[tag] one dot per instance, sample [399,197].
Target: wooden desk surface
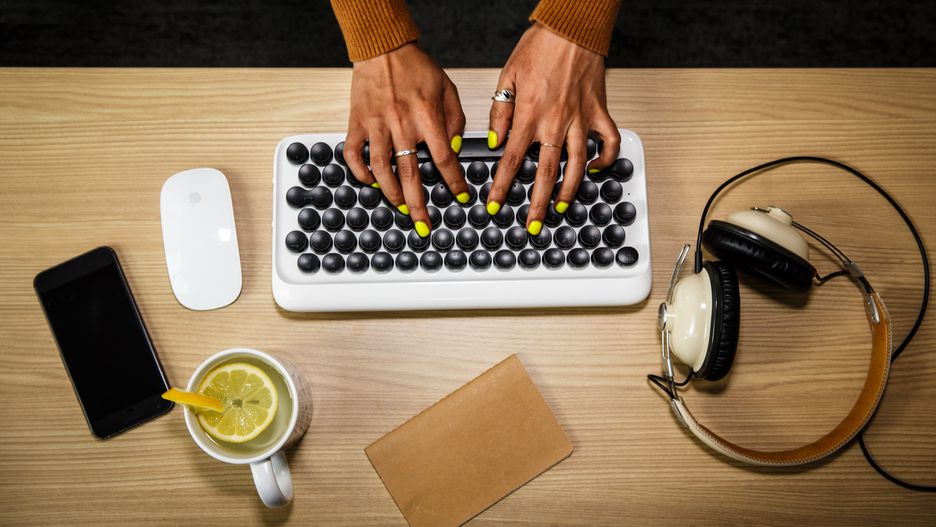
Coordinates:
[83,154]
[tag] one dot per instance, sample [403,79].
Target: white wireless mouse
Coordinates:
[200,239]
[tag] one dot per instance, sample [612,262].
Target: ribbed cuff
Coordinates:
[587,23]
[374,27]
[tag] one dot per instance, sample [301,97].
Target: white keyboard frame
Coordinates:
[493,288]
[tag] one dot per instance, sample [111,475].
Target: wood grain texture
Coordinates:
[83,154]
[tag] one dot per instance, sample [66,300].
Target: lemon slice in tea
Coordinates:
[249,398]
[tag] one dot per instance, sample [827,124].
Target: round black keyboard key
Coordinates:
[480,260]
[622,169]
[494,168]
[339,153]
[382,218]
[522,213]
[320,197]
[529,259]
[467,239]
[611,191]
[565,237]
[485,190]
[477,172]
[587,192]
[333,263]
[527,172]
[309,175]
[417,242]
[403,221]
[613,236]
[297,153]
[345,197]
[589,236]
[308,263]
[406,261]
[296,241]
[321,153]
[440,195]
[345,241]
[576,215]
[505,259]
[456,260]
[553,258]
[369,240]
[600,213]
[603,257]
[394,240]
[309,219]
[504,217]
[516,237]
[382,262]
[357,219]
[625,213]
[369,197]
[333,175]
[333,219]
[578,258]
[320,241]
[492,238]
[516,194]
[626,256]
[533,151]
[591,145]
[541,240]
[553,218]
[443,239]
[478,216]
[297,197]
[435,216]
[430,261]
[429,174]
[454,217]
[358,262]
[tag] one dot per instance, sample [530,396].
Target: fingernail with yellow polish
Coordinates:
[561,207]
[375,184]
[463,198]
[493,207]
[535,227]
[403,209]
[456,143]
[492,139]
[422,229]
[594,170]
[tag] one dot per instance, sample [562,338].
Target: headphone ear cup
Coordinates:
[750,251]
[723,339]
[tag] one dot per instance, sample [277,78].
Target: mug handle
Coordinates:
[273,480]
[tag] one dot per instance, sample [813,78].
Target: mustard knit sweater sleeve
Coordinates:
[374,27]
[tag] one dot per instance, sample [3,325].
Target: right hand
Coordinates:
[399,99]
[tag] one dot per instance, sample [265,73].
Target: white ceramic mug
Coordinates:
[270,470]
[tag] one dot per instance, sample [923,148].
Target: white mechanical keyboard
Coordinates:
[340,246]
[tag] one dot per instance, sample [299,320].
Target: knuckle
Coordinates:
[444,158]
[380,164]
[511,159]
[547,168]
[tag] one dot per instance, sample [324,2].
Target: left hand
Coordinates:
[560,98]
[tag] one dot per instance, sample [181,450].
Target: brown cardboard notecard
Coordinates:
[469,450]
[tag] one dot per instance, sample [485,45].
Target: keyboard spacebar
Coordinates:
[472,149]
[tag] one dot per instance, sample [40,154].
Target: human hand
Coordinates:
[399,99]
[560,98]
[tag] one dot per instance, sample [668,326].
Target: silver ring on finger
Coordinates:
[405,152]
[551,145]
[504,95]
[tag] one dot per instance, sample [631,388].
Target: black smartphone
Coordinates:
[105,347]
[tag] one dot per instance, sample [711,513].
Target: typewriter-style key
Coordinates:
[613,236]
[320,241]
[309,219]
[622,169]
[417,242]
[625,213]
[430,261]
[333,263]
[587,192]
[369,197]
[576,215]
[406,261]
[477,172]
[308,263]
[296,241]
[345,241]
[369,241]
[357,219]
[485,190]
[480,260]
[492,238]
[541,240]
[553,258]
[333,175]
[403,221]
[394,240]
[297,153]
[435,216]
[467,239]
[553,218]
[321,153]
[504,217]
[478,216]
[382,262]
[440,195]
[309,175]
[600,213]
[382,218]
[589,236]
[429,174]
[565,237]
[454,217]
[505,259]
[626,256]
[339,153]
[456,260]
[527,172]
[522,213]
[443,239]
[529,259]
[611,191]
[578,258]
[358,262]
[516,237]
[345,197]
[333,219]
[516,194]
[603,257]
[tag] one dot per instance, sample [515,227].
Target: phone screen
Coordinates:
[103,342]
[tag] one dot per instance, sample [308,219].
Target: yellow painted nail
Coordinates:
[493,207]
[375,184]
[535,227]
[561,207]
[463,198]
[403,209]
[457,143]
[594,170]
[422,229]
[492,139]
